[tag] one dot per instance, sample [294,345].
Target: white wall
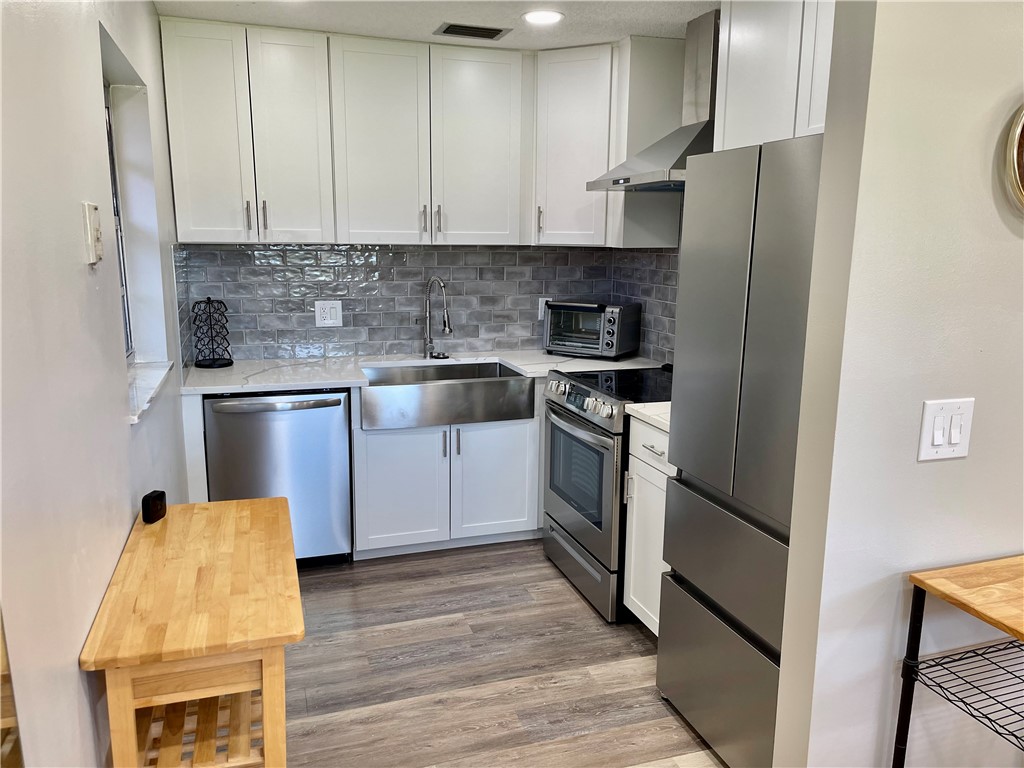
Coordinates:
[73,469]
[934,309]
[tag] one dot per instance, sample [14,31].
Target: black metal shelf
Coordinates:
[986,683]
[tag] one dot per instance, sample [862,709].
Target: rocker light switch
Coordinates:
[945,429]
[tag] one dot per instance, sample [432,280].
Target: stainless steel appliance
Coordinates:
[661,167]
[294,445]
[744,275]
[585,329]
[584,515]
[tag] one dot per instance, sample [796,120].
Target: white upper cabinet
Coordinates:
[249,121]
[774,59]
[212,166]
[815,63]
[573,114]
[475,118]
[291,125]
[380,96]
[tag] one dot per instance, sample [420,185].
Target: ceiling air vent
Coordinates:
[468,30]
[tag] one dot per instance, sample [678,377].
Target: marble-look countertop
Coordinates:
[144,381]
[338,372]
[656,414]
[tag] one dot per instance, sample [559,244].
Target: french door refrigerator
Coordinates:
[744,275]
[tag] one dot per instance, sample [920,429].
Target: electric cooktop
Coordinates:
[634,385]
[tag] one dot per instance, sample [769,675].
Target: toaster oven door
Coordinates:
[574,328]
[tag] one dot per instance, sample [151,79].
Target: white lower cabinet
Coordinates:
[402,488]
[645,533]
[416,486]
[494,474]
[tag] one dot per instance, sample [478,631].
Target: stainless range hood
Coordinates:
[661,167]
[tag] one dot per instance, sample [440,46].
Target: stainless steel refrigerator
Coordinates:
[744,275]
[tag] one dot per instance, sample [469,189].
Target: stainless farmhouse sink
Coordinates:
[432,395]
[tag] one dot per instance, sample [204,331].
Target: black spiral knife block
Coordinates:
[210,333]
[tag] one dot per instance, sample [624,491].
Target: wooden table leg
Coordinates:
[121,711]
[274,733]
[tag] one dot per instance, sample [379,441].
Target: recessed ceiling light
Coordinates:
[543,17]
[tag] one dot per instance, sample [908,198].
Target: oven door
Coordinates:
[581,483]
[574,328]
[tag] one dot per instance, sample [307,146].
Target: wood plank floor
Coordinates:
[476,657]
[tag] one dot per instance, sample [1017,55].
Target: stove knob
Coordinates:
[551,386]
[562,387]
[588,404]
[607,411]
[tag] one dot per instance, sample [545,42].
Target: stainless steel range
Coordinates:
[584,514]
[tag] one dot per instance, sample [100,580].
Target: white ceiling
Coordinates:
[586,21]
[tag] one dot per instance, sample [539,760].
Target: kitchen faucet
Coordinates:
[446,323]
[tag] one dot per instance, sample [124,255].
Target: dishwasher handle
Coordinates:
[273,406]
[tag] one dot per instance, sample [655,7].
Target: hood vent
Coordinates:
[661,167]
[468,30]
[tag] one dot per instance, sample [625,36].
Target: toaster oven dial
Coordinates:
[611,319]
[609,344]
[610,332]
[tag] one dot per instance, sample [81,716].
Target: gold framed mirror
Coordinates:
[1015,160]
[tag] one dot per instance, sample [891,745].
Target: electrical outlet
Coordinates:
[328,314]
[542,306]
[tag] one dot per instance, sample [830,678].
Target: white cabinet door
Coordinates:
[380,97]
[402,486]
[815,63]
[645,534]
[207,83]
[758,69]
[475,117]
[494,478]
[291,125]
[573,115]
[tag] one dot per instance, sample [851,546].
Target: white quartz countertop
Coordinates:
[337,372]
[656,414]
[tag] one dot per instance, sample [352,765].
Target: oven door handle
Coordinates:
[581,433]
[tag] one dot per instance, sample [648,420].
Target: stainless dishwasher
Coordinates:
[294,445]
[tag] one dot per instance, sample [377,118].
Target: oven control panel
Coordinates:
[580,399]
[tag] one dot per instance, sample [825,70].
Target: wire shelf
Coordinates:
[987,683]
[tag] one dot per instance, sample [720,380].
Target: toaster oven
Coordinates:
[585,329]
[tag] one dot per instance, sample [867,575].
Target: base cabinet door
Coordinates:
[494,478]
[402,487]
[645,533]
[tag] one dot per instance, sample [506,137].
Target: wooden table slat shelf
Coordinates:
[194,620]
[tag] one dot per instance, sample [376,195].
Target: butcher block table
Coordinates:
[193,624]
[986,683]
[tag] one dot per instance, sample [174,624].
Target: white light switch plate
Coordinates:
[93,233]
[328,314]
[945,429]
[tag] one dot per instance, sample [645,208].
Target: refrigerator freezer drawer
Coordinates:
[597,584]
[720,683]
[733,563]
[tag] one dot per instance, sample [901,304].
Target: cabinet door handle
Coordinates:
[248,216]
[458,442]
[266,221]
[426,219]
[540,219]
[439,218]
[653,450]
[444,444]
[629,487]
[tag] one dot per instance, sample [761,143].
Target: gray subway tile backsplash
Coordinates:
[493,295]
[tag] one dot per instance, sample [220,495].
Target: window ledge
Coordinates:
[144,381]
